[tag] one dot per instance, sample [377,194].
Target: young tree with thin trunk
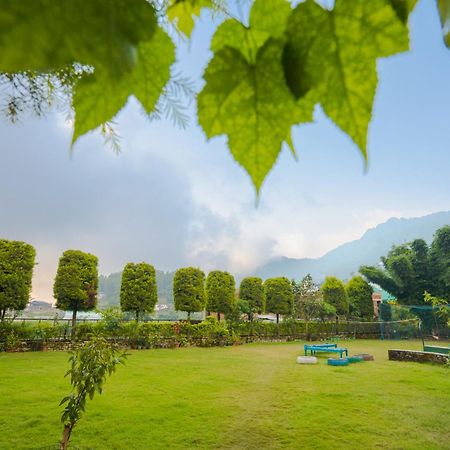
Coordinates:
[16,272]
[279,296]
[138,292]
[220,292]
[91,363]
[189,290]
[76,283]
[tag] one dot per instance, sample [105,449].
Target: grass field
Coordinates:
[246,397]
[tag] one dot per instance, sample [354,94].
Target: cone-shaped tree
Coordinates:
[16,272]
[138,292]
[251,290]
[189,290]
[359,293]
[220,292]
[279,296]
[76,282]
[334,293]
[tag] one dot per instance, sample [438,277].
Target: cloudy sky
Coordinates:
[173,199]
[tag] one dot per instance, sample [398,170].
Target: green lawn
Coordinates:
[253,396]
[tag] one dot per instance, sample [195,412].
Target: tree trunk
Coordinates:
[66,436]
[189,316]
[278,318]
[218,317]
[74,320]
[137,316]
[3,313]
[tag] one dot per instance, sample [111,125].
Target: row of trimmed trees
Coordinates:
[76,286]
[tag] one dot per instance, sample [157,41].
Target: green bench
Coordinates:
[324,348]
[436,349]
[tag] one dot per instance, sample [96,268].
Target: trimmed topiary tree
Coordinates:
[279,296]
[220,292]
[359,293]
[251,290]
[189,290]
[76,282]
[16,272]
[334,293]
[138,291]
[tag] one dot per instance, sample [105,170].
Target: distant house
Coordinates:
[83,315]
[39,305]
[380,296]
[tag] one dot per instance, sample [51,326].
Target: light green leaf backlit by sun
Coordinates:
[251,104]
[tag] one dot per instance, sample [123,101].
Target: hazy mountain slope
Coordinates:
[347,258]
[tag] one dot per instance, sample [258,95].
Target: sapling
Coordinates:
[91,363]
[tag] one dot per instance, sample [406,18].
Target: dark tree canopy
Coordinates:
[279,296]
[334,293]
[16,272]
[251,290]
[359,293]
[411,269]
[189,290]
[138,292]
[220,292]
[266,75]
[76,282]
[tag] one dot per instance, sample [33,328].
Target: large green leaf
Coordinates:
[184,12]
[331,57]
[99,97]
[46,35]
[267,19]
[251,104]
[444,12]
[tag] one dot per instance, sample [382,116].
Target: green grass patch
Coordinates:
[253,396]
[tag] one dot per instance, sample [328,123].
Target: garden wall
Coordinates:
[22,336]
[417,356]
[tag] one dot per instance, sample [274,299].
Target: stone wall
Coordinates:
[416,356]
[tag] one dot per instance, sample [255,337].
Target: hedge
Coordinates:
[26,336]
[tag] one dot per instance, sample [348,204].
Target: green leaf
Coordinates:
[98,98]
[330,57]
[444,12]
[43,35]
[152,70]
[251,104]
[267,19]
[403,8]
[183,13]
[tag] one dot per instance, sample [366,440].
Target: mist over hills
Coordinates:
[342,262]
[346,259]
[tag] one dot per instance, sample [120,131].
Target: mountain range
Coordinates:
[345,260]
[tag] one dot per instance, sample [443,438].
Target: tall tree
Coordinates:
[308,298]
[251,290]
[16,272]
[440,263]
[359,293]
[138,292]
[334,293]
[410,270]
[220,292]
[279,296]
[189,290]
[76,282]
